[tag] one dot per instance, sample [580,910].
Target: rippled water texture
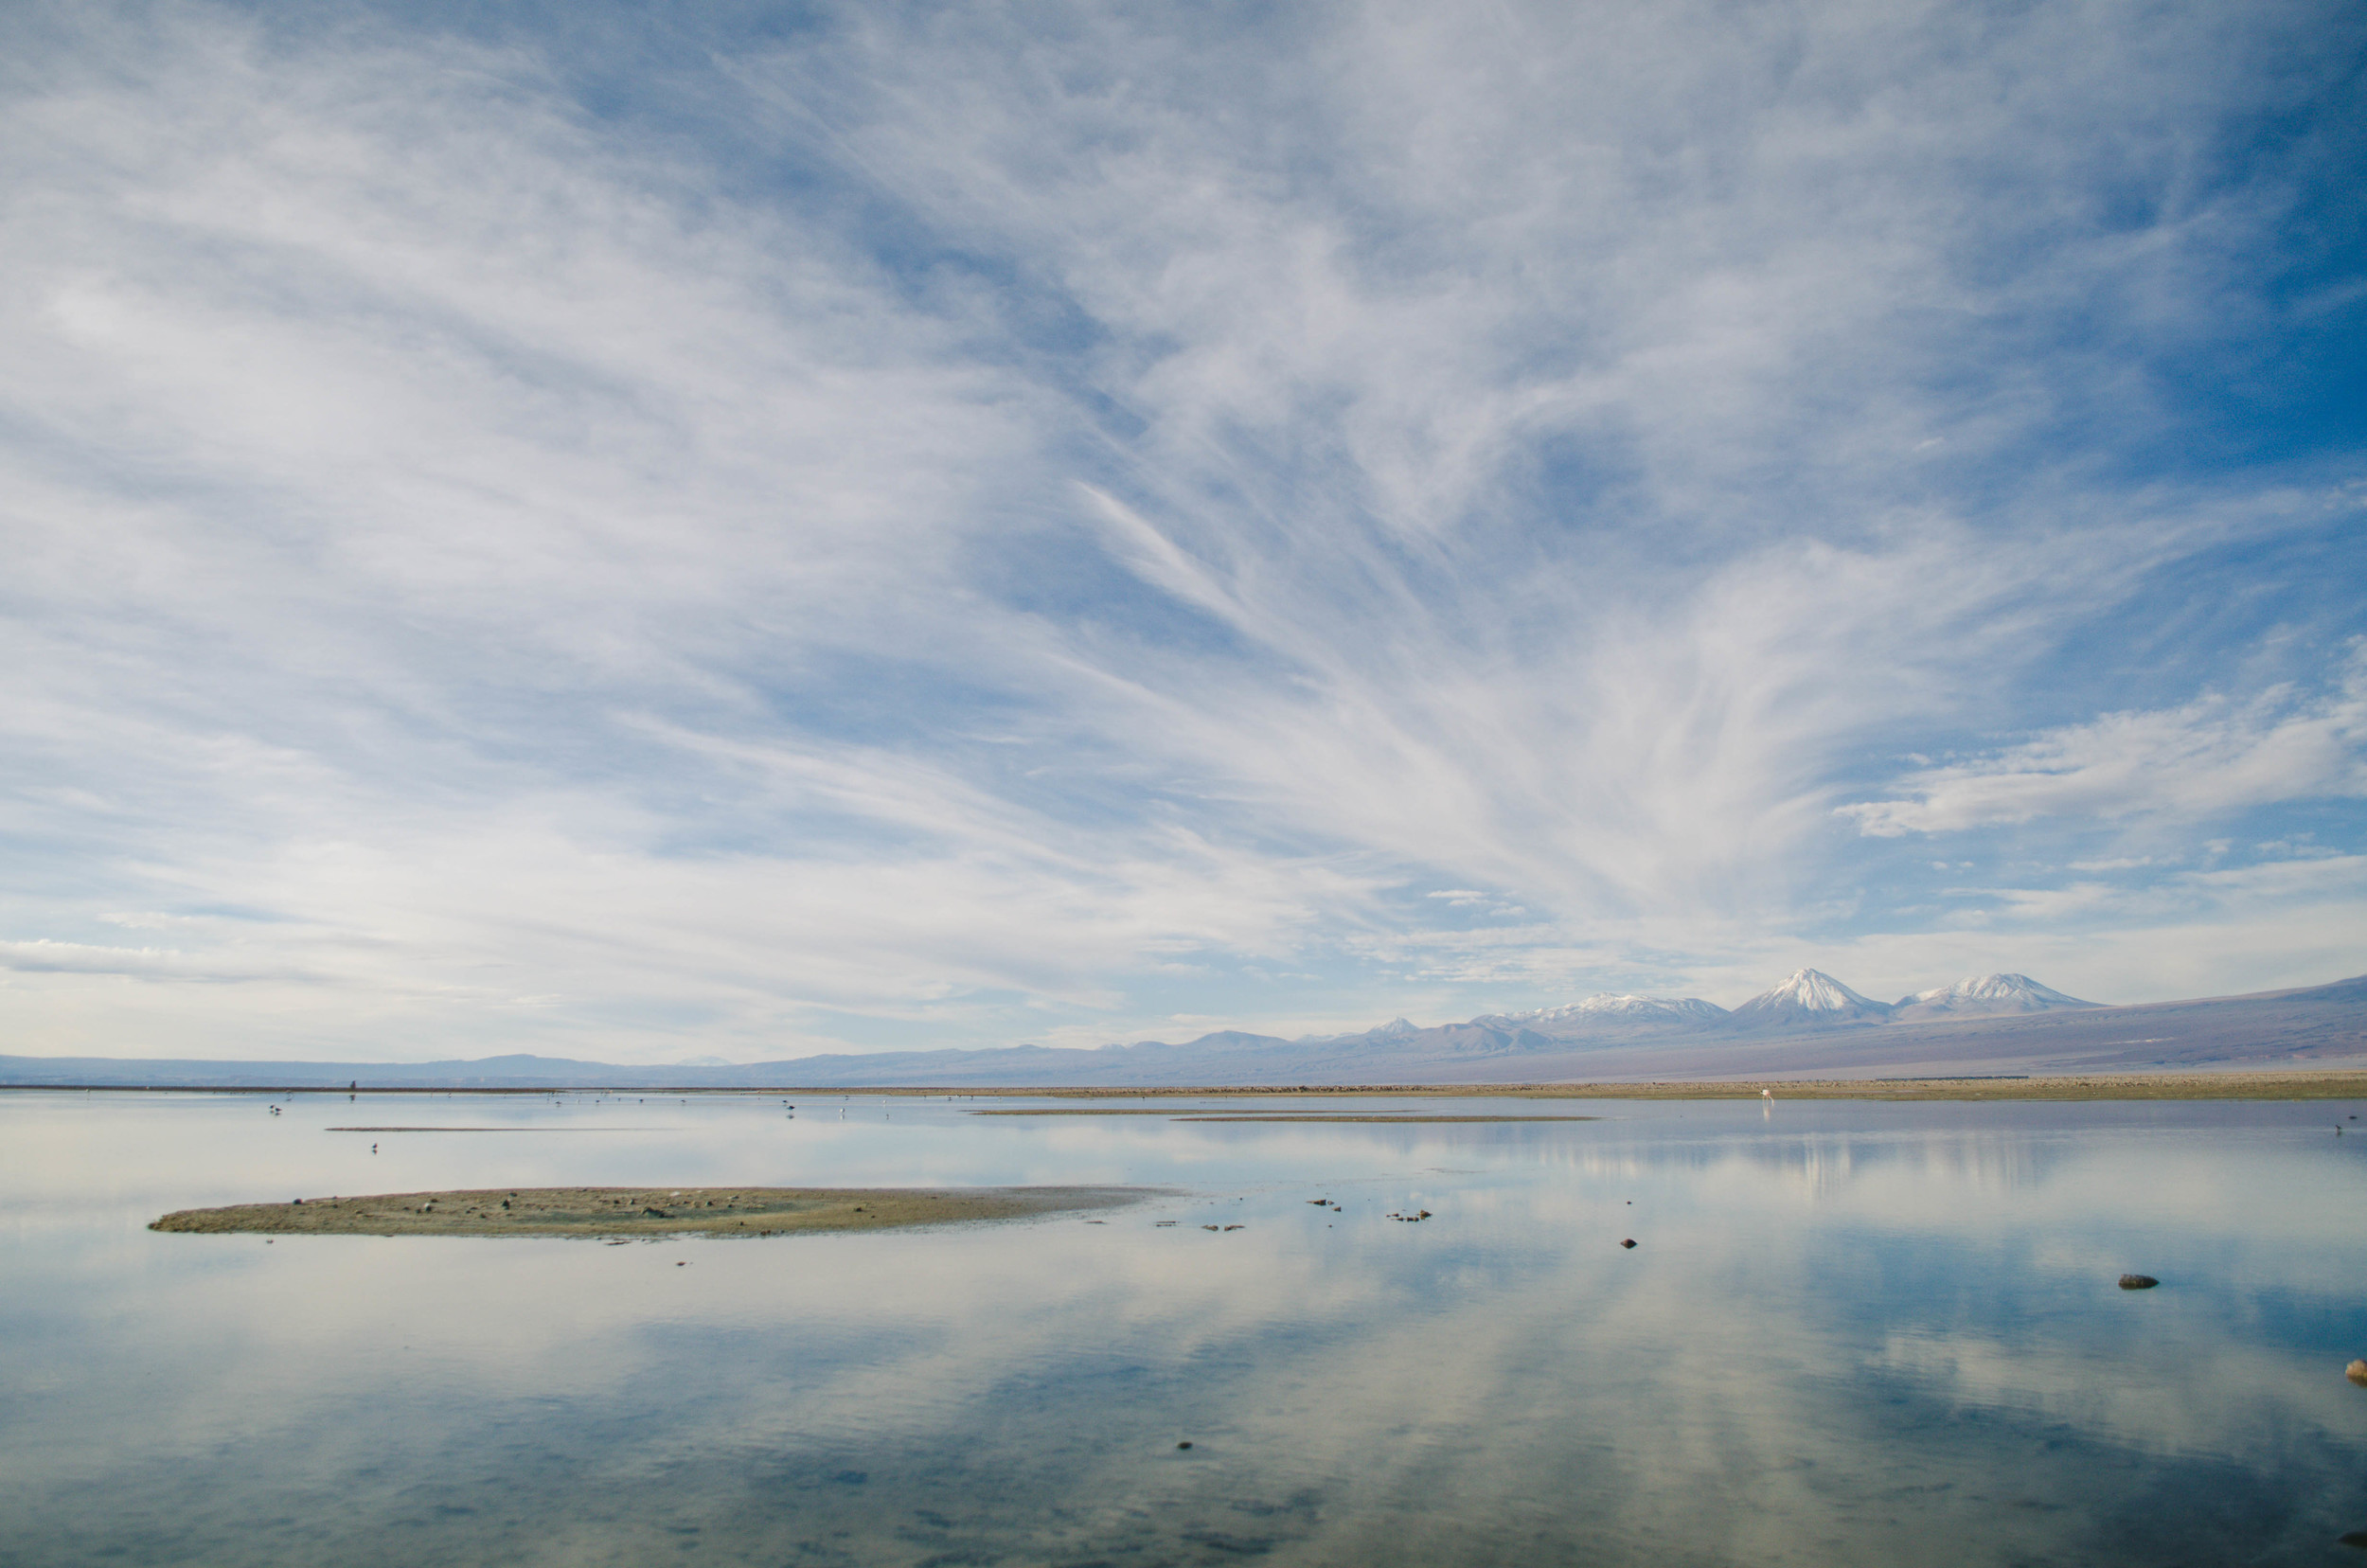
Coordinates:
[1850,1333]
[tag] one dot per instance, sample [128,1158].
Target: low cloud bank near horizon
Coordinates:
[886,527]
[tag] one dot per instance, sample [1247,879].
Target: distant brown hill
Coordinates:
[2314,1025]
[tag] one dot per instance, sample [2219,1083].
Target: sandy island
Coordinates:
[643,1211]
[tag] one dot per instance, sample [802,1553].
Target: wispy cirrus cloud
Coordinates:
[928,529]
[2200,760]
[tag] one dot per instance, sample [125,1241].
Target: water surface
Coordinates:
[1849,1333]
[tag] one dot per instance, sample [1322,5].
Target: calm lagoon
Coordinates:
[1849,1333]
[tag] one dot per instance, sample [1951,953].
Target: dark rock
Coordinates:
[656,1213]
[1185,1444]
[2138,1282]
[2357,1537]
[1629,1242]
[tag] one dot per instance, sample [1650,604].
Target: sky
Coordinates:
[659,531]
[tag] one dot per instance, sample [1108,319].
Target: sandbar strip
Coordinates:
[1215,1114]
[1376,1117]
[626,1212]
[2278,1085]
[1380,1118]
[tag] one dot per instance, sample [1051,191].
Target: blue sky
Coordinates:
[652,531]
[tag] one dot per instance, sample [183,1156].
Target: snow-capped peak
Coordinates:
[1986,993]
[1998,988]
[1613,1007]
[1809,998]
[1818,992]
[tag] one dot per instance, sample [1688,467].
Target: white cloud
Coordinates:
[47,957]
[970,529]
[2208,757]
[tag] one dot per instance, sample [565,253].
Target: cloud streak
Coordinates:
[926,529]
[2202,760]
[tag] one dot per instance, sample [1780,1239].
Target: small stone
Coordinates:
[1185,1444]
[1629,1242]
[655,1213]
[2138,1282]
[2356,1372]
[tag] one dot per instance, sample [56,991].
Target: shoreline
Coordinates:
[648,1213]
[2256,1084]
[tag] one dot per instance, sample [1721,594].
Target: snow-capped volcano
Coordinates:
[1983,995]
[1607,1008]
[1809,998]
[1396,1029]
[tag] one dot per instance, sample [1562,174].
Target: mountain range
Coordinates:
[1810,1025]
[1809,1000]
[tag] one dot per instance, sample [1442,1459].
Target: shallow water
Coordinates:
[1850,1333]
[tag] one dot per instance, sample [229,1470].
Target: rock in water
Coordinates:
[2356,1372]
[2138,1282]
[1629,1242]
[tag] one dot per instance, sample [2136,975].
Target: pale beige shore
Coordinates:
[2278,1083]
[1189,1113]
[625,1212]
[2084,1086]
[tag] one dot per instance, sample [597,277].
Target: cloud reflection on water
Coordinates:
[1865,1334]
